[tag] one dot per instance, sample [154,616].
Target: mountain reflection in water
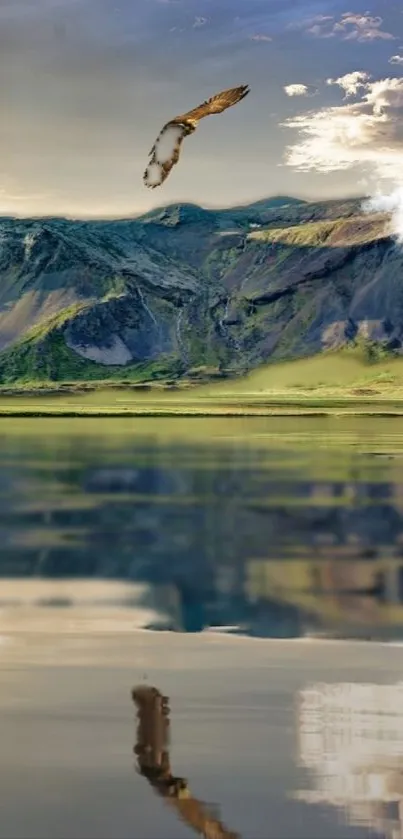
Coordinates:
[254,526]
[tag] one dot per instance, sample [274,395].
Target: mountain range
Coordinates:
[183,288]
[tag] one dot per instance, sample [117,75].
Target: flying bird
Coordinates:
[166,149]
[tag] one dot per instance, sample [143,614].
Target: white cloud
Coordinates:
[350,27]
[296,89]
[351,82]
[320,31]
[299,89]
[393,204]
[356,27]
[396,59]
[366,136]
[260,37]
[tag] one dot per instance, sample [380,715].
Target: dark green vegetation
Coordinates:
[184,294]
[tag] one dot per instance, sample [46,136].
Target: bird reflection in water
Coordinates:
[153,762]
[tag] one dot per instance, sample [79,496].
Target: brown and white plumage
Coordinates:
[166,149]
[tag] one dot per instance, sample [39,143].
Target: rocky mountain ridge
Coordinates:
[183,287]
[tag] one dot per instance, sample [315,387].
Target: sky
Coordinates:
[86,85]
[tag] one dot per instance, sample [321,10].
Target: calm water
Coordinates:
[222,536]
[276,528]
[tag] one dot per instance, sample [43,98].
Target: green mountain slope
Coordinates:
[182,287]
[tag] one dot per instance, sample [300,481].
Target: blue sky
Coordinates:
[86,85]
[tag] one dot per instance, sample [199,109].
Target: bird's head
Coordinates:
[190,126]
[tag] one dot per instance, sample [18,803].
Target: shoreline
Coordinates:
[37,412]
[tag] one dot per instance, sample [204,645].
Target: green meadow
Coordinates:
[329,383]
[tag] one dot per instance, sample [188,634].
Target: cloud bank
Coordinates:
[365,135]
[367,132]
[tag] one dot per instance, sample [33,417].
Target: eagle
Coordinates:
[166,149]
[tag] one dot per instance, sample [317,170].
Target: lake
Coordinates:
[248,570]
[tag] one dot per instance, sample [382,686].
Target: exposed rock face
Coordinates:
[188,287]
[114,353]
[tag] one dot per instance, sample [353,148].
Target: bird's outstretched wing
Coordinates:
[164,154]
[166,149]
[215,105]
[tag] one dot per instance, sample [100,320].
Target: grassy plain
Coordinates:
[330,383]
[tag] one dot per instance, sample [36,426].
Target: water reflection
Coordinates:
[351,742]
[66,729]
[270,531]
[154,764]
